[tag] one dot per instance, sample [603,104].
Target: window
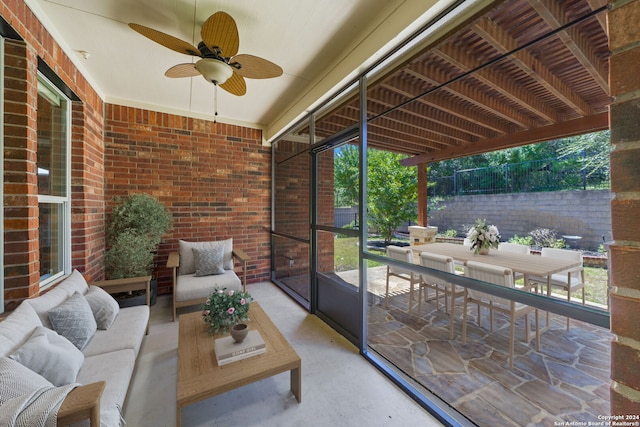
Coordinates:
[53,168]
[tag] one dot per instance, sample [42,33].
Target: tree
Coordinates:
[392,190]
[391,187]
[594,147]
[346,175]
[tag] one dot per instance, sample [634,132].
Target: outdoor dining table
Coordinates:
[527,264]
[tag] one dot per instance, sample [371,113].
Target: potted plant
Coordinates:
[483,237]
[134,232]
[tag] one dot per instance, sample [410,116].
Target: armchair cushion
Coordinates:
[209,261]
[196,288]
[187,258]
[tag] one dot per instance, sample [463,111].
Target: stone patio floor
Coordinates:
[568,380]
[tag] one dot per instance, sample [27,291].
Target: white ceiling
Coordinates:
[318,43]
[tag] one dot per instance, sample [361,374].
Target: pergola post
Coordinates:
[422,194]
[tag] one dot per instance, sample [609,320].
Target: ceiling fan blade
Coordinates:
[221,30]
[254,67]
[166,40]
[235,85]
[182,70]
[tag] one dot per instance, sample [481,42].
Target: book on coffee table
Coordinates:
[228,351]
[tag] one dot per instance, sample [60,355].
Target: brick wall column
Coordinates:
[624,43]
[20,204]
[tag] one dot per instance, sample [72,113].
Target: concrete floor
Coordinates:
[339,387]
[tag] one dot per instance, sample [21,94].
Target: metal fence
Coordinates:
[538,175]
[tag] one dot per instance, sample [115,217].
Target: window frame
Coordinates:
[64,246]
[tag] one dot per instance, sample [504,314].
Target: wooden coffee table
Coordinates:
[200,377]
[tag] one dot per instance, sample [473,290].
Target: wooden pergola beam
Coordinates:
[533,67]
[579,126]
[553,15]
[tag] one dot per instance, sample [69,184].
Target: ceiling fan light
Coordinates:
[214,70]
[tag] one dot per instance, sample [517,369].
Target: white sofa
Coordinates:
[198,269]
[109,355]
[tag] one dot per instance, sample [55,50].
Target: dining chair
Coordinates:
[448,289]
[503,277]
[518,249]
[401,254]
[569,280]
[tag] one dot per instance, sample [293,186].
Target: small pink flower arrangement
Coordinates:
[223,309]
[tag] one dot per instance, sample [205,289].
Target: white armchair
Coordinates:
[199,267]
[446,264]
[569,281]
[401,254]
[503,277]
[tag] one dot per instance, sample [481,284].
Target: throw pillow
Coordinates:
[73,319]
[187,262]
[104,307]
[209,261]
[50,355]
[17,327]
[18,380]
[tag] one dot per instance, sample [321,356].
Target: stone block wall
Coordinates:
[577,213]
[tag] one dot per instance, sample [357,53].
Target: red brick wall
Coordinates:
[624,35]
[21,263]
[214,178]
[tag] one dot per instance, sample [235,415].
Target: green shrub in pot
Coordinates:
[134,231]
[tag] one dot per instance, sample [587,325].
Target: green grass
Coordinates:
[346,258]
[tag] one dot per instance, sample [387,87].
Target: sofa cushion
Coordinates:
[17,327]
[126,332]
[73,283]
[18,380]
[73,319]
[192,287]
[50,355]
[116,368]
[209,261]
[187,260]
[104,307]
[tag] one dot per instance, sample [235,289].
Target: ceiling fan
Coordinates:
[220,63]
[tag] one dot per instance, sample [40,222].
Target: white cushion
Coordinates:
[50,355]
[187,260]
[116,368]
[104,307]
[192,287]
[17,327]
[73,283]
[127,332]
[18,380]
[73,319]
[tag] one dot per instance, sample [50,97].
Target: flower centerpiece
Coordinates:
[223,309]
[483,236]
